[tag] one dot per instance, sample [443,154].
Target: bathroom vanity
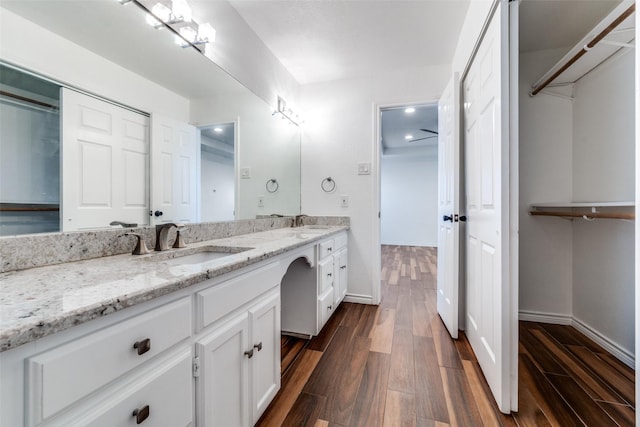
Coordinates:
[188,337]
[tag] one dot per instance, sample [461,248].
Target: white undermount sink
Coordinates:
[194,255]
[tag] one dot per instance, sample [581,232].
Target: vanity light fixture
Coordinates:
[409,110]
[194,34]
[286,112]
[177,16]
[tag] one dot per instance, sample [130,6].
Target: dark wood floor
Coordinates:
[395,365]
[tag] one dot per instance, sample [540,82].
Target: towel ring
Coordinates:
[328,185]
[272,185]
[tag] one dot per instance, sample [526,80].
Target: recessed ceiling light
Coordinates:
[408,137]
[219,130]
[409,110]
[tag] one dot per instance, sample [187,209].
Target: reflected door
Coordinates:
[105,162]
[174,151]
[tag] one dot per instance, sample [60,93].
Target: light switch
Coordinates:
[245,173]
[344,201]
[364,168]
[261,201]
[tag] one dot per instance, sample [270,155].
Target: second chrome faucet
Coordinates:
[162,236]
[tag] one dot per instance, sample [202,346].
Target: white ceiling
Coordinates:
[340,39]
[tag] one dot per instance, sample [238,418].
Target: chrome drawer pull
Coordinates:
[249,353]
[143,346]
[141,414]
[258,346]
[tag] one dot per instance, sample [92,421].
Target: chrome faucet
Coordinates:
[162,235]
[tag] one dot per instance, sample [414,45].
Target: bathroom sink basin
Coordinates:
[194,255]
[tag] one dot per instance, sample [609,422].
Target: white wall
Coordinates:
[240,52]
[473,21]
[409,200]
[603,169]
[48,54]
[546,144]
[337,135]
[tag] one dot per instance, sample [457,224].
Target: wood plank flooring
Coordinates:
[395,365]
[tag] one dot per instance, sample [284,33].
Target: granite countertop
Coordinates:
[40,301]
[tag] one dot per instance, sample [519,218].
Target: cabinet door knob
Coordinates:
[249,353]
[329,308]
[143,346]
[329,249]
[141,414]
[258,346]
[329,274]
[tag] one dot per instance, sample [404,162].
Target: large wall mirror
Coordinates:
[247,162]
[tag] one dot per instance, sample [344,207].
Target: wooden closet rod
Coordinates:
[29,100]
[586,48]
[610,215]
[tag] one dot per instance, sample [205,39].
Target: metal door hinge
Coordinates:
[196,367]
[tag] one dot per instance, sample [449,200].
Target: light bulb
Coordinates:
[189,34]
[206,33]
[162,12]
[181,10]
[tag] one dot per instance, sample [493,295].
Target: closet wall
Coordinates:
[577,271]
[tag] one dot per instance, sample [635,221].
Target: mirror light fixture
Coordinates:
[177,16]
[287,113]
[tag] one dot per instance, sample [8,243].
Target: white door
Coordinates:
[222,387]
[174,152]
[448,205]
[265,363]
[105,163]
[490,321]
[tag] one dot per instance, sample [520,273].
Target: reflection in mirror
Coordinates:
[29,153]
[217,172]
[264,145]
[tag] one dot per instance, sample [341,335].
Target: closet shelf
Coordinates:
[613,33]
[585,210]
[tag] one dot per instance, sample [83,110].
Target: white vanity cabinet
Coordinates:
[102,378]
[238,356]
[332,276]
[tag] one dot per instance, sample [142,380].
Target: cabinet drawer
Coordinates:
[325,275]
[340,241]
[165,393]
[61,376]
[325,307]
[221,299]
[326,248]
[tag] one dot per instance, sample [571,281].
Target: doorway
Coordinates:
[409,175]
[217,172]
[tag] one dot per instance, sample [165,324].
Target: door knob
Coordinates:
[463,218]
[158,213]
[447,218]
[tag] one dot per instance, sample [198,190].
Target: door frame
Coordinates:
[377,187]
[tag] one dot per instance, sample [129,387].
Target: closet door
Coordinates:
[105,163]
[174,153]
[490,319]
[448,206]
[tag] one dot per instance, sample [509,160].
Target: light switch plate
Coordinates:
[245,173]
[364,168]
[344,201]
[261,201]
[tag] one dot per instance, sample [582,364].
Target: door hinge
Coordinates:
[196,367]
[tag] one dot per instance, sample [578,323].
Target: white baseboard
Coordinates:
[623,355]
[534,316]
[562,319]
[359,299]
